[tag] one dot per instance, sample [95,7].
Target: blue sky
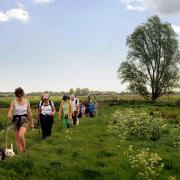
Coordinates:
[58,44]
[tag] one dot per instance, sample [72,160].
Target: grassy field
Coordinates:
[89,151]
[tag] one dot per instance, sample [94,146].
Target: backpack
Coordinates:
[76,101]
[91,107]
[83,108]
[42,102]
[67,112]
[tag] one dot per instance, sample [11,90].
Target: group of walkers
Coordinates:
[70,111]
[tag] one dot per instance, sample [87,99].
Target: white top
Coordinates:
[75,103]
[46,109]
[20,109]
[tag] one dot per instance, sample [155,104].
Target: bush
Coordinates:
[175,134]
[148,165]
[126,123]
[171,178]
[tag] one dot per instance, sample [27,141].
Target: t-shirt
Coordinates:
[75,104]
[46,109]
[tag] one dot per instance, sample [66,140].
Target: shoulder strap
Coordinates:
[41,103]
[50,102]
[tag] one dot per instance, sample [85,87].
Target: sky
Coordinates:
[56,45]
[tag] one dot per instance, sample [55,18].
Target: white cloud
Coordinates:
[3,17]
[18,14]
[134,5]
[135,8]
[168,7]
[42,1]
[176,29]
[19,4]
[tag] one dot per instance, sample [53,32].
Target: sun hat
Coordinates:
[45,96]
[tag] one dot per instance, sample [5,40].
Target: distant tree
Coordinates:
[151,68]
[78,92]
[71,91]
[84,91]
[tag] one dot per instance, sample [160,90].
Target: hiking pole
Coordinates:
[7,132]
[8,152]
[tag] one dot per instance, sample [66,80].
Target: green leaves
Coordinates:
[147,164]
[151,66]
[127,123]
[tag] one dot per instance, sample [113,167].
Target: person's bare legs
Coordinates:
[22,132]
[18,144]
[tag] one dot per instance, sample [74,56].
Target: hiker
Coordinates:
[19,112]
[65,112]
[82,109]
[87,108]
[91,109]
[45,115]
[95,108]
[75,109]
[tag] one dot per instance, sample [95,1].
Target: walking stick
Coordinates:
[7,133]
[8,152]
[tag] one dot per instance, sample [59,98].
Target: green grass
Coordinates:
[89,151]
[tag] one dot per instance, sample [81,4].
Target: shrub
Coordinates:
[125,123]
[171,178]
[148,165]
[175,134]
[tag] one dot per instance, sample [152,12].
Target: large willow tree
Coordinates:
[151,68]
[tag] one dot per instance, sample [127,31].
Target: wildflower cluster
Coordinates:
[171,178]
[175,133]
[125,123]
[147,164]
[68,135]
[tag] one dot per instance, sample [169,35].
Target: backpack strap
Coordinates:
[50,103]
[42,102]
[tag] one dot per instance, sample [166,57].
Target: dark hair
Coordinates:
[65,98]
[19,92]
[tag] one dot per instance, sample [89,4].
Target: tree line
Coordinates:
[77,91]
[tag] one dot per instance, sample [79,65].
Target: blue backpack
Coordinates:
[91,107]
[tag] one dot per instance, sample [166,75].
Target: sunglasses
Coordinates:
[19,95]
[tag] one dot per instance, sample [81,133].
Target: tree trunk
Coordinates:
[154,97]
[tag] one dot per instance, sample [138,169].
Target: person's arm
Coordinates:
[30,115]
[53,110]
[38,113]
[11,109]
[94,107]
[60,111]
[70,110]
[78,107]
